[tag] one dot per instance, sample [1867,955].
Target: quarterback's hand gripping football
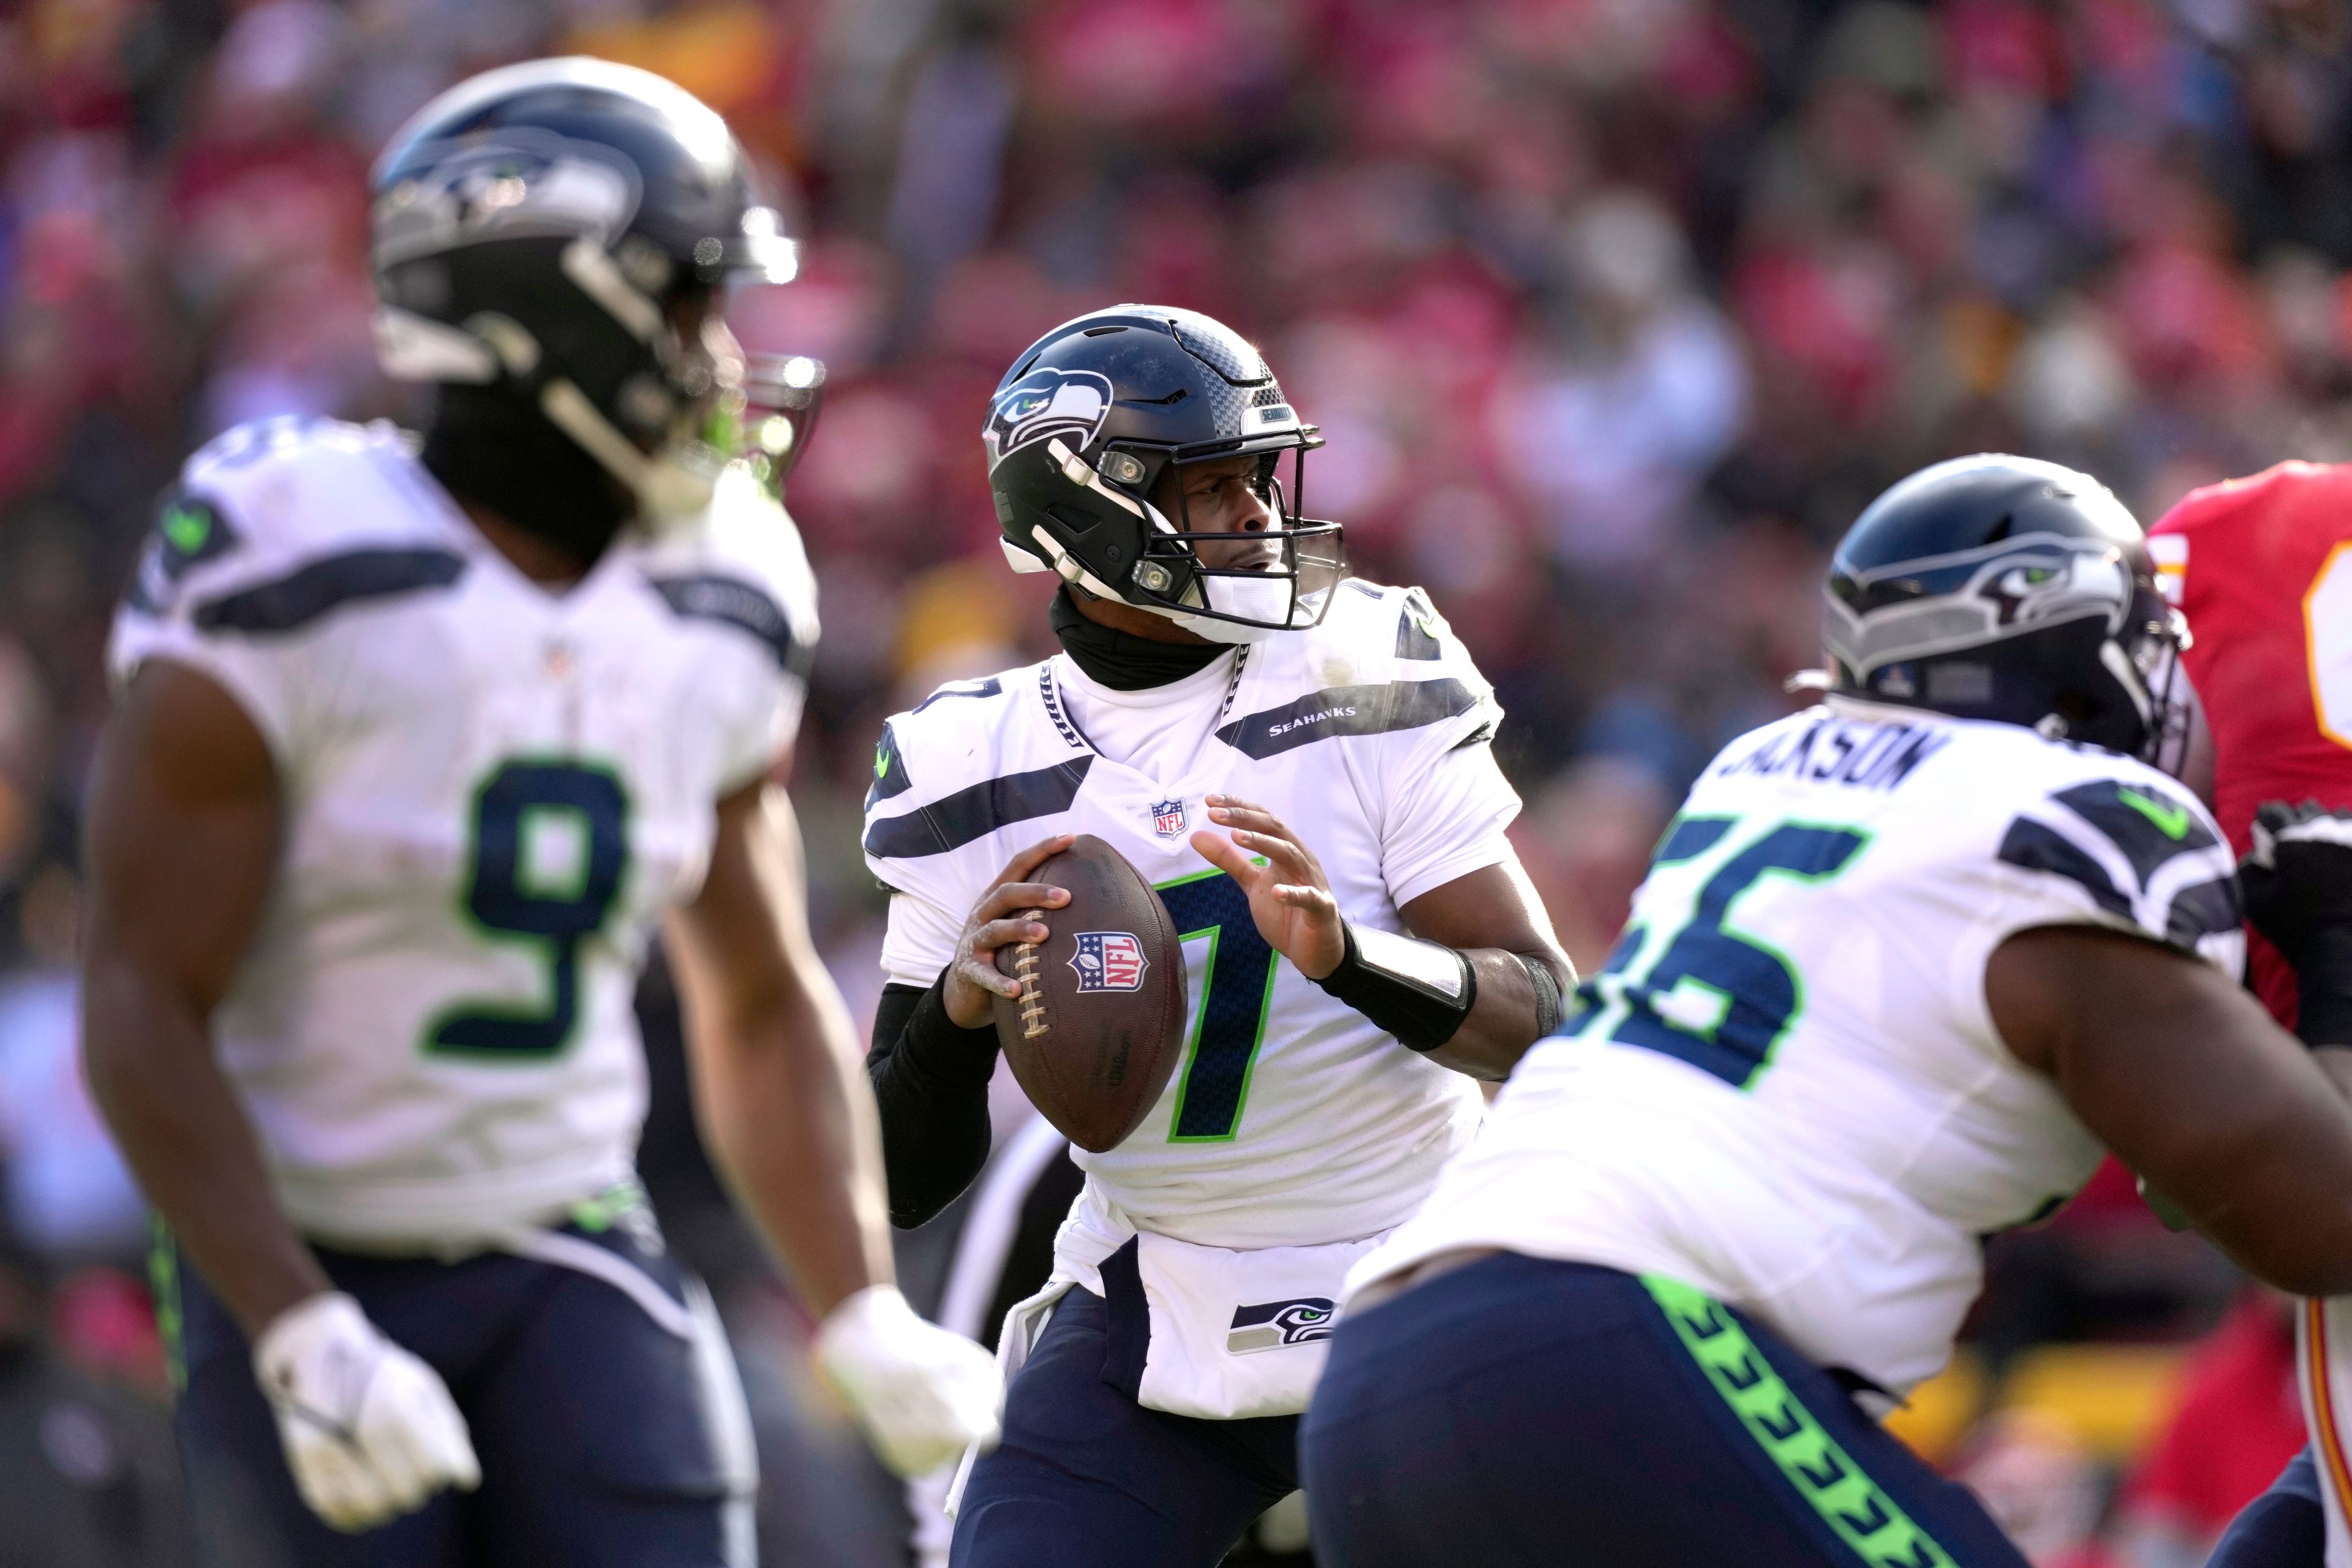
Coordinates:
[1289,897]
[1006,914]
[370,1430]
[2297,882]
[922,1393]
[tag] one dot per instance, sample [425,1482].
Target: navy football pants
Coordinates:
[602,1438]
[2283,1528]
[1087,1478]
[1523,1412]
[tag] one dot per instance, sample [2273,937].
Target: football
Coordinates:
[1095,1036]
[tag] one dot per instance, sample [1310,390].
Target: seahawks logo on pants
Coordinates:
[1045,404]
[1270,1325]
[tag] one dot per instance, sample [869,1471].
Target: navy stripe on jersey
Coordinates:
[2149,825]
[955,820]
[988,688]
[746,606]
[189,532]
[2039,848]
[1413,639]
[889,771]
[2163,840]
[2206,910]
[294,601]
[1348,711]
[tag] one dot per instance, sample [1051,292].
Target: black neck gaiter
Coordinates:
[493,449]
[1121,660]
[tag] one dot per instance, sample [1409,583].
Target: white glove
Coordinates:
[370,1430]
[923,1393]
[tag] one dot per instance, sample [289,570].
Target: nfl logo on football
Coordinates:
[1109,961]
[1168,817]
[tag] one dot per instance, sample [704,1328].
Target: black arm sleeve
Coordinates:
[930,1080]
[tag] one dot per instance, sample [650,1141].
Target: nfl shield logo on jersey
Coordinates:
[1168,817]
[1109,961]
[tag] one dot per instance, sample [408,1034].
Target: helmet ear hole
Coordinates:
[1073,522]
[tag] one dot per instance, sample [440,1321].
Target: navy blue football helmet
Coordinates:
[1096,415]
[2010,589]
[533,229]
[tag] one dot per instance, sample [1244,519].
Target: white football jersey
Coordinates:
[491,792]
[1785,1088]
[1293,1120]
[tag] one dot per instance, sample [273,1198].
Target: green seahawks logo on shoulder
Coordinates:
[2148,823]
[188,526]
[2143,853]
[2171,818]
[1421,630]
[889,771]
[189,532]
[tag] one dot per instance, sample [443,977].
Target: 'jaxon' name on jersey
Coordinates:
[1865,754]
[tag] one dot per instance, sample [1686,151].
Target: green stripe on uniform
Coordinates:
[164,1284]
[1824,1475]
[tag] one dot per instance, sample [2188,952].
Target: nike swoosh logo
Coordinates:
[2170,817]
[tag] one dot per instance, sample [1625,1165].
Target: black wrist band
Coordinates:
[942,1050]
[1549,1007]
[1417,991]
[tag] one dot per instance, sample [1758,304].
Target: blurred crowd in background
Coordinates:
[1613,312]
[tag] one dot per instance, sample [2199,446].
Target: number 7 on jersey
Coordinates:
[1229,1009]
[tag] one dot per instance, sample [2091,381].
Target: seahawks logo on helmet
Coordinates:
[1975,596]
[1045,404]
[522,182]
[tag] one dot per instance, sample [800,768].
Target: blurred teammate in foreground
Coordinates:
[414,750]
[1902,965]
[2263,567]
[1298,761]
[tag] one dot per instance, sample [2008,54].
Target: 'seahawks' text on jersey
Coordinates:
[1784,1088]
[490,791]
[1292,1120]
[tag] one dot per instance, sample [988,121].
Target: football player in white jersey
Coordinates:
[1902,966]
[1299,761]
[414,752]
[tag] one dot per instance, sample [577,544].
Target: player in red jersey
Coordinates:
[2262,568]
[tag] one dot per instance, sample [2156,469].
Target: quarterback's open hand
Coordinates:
[1006,914]
[370,1430]
[1289,897]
